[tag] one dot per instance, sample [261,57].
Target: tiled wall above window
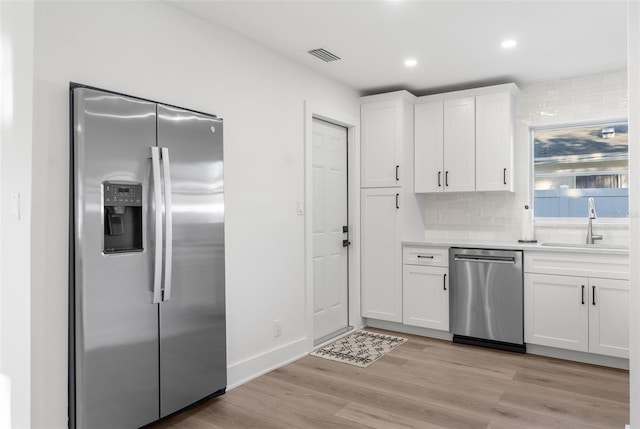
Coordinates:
[585,98]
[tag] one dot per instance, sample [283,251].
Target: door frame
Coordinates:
[352,124]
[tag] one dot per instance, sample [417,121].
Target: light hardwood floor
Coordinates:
[424,383]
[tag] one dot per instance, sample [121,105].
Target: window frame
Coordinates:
[569,221]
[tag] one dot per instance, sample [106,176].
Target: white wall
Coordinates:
[634,149]
[498,215]
[152,50]
[16,37]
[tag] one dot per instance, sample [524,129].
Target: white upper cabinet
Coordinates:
[429,148]
[464,141]
[459,145]
[384,120]
[494,142]
[445,146]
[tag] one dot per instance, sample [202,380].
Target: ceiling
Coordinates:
[457,44]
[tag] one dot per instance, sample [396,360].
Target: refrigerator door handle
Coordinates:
[168,237]
[157,195]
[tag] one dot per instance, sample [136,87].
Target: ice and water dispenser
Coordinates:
[122,211]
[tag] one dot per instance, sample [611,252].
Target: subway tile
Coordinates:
[598,97]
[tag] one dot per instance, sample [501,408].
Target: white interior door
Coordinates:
[330,258]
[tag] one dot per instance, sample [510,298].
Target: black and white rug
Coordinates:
[361,348]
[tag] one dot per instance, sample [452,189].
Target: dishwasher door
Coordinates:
[486,299]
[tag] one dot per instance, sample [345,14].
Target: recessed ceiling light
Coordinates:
[509,43]
[410,62]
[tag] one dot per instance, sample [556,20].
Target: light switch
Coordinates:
[300,207]
[15,205]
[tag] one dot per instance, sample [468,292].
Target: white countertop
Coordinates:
[515,245]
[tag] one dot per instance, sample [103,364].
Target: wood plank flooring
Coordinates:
[425,384]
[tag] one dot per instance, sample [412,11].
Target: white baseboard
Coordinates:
[591,358]
[253,367]
[399,327]
[5,402]
[248,369]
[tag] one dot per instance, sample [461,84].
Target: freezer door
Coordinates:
[114,335]
[192,321]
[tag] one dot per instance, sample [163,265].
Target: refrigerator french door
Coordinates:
[147,299]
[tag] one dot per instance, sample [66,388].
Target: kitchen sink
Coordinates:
[587,246]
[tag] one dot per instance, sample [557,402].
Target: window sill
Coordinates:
[611,223]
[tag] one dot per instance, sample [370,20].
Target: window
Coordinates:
[575,162]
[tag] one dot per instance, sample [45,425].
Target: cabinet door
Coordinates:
[494,142]
[381,252]
[425,300]
[609,317]
[428,147]
[459,145]
[381,143]
[556,311]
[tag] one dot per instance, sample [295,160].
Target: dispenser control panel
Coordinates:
[118,194]
[122,217]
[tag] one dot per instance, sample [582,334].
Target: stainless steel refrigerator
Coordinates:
[147,267]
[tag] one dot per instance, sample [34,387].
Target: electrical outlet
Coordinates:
[277,328]
[437,216]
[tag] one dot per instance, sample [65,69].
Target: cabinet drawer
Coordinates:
[600,265]
[431,256]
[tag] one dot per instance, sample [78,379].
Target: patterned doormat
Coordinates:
[361,348]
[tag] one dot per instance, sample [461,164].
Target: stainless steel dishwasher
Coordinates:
[486,298]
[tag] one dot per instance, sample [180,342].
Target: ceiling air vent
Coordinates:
[324,55]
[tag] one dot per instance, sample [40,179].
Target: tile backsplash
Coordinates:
[499,215]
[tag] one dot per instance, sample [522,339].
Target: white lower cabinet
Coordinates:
[380,266]
[609,317]
[425,288]
[425,297]
[577,313]
[555,311]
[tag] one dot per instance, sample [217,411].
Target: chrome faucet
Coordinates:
[592,215]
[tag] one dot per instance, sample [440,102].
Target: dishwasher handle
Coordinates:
[485,259]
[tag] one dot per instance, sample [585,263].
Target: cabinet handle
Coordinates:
[439,175]
[397,201]
[446,178]
[444,283]
[582,294]
[504,176]
[425,257]
[397,173]
[593,295]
